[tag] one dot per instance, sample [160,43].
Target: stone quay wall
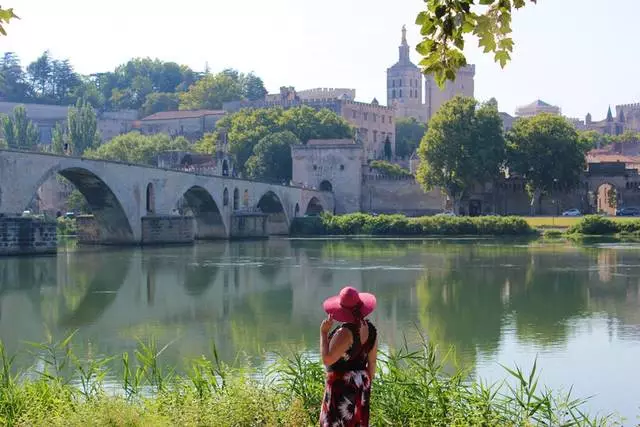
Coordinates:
[399,195]
[27,236]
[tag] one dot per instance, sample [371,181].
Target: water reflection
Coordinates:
[478,296]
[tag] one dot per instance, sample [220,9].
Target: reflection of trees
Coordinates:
[554,291]
[92,288]
[462,307]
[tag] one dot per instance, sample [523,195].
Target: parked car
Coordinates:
[628,212]
[571,212]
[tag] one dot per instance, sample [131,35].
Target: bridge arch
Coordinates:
[314,207]
[278,221]
[209,222]
[113,222]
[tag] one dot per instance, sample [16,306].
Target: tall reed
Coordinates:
[412,388]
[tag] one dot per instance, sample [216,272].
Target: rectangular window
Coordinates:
[382,119]
[365,116]
[375,118]
[354,113]
[375,136]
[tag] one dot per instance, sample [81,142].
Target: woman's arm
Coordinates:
[371,360]
[332,351]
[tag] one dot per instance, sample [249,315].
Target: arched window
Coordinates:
[245,198]
[326,186]
[225,168]
[150,198]
[225,197]
[236,199]
[297,211]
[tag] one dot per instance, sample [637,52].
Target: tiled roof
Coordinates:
[599,157]
[186,114]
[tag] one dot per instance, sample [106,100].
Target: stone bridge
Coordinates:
[124,197]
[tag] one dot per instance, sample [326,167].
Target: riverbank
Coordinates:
[411,388]
[400,225]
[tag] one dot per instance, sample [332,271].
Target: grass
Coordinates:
[562,222]
[411,389]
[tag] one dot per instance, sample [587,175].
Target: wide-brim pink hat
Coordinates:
[350,305]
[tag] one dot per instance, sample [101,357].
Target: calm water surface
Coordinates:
[575,308]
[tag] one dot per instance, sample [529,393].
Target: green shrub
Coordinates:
[631,227]
[389,169]
[66,226]
[552,234]
[400,225]
[594,225]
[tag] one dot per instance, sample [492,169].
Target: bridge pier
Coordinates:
[27,236]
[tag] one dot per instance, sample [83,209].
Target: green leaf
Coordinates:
[502,56]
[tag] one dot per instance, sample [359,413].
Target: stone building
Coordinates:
[535,108]
[405,86]
[45,117]
[191,124]
[374,123]
[608,126]
[331,165]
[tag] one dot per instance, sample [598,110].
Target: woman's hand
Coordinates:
[326,325]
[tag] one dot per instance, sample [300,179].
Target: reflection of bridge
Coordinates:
[121,195]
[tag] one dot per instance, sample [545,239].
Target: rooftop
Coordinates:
[185,114]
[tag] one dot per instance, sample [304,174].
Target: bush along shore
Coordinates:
[400,225]
[597,225]
[411,388]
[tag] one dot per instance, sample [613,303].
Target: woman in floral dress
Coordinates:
[349,355]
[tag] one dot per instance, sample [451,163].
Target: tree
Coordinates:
[463,146]
[445,23]
[246,128]
[134,147]
[545,151]
[211,92]
[19,131]
[271,160]
[40,72]
[591,139]
[207,144]
[64,82]
[409,133]
[253,88]
[82,128]
[76,202]
[160,101]
[13,85]
[58,140]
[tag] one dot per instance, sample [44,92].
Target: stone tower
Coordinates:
[404,84]
[434,97]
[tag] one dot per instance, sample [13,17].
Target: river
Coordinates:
[574,307]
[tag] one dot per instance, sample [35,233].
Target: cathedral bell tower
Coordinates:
[404,84]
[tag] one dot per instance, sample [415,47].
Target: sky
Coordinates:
[576,54]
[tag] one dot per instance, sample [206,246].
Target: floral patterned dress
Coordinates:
[348,386]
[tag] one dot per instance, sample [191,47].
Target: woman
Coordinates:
[349,354]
